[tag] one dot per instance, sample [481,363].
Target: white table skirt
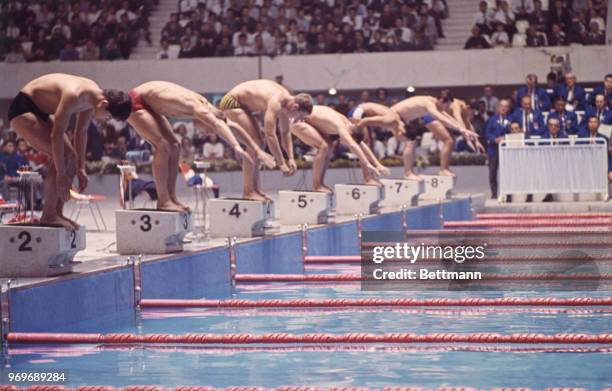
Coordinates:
[537,169]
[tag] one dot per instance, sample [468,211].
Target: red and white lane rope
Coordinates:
[529,223]
[358,277]
[313,338]
[355,259]
[537,216]
[400,302]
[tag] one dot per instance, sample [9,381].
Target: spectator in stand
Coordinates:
[580,29]
[535,38]
[490,100]
[568,120]
[213,148]
[69,53]
[600,110]
[522,9]
[172,30]
[553,130]
[556,37]
[500,38]
[484,18]
[187,153]
[16,55]
[382,96]
[505,17]
[573,94]
[377,44]
[476,41]
[205,47]
[496,129]
[530,120]
[90,52]
[605,90]
[163,53]
[224,48]
[242,47]
[539,17]
[540,100]
[559,15]
[186,50]
[595,35]
[110,51]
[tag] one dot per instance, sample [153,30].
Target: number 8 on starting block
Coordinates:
[438,187]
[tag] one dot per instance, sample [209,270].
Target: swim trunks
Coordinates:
[427,119]
[228,102]
[137,102]
[21,104]
[356,112]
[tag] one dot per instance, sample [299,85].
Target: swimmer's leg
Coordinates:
[408,156]
[309,135]
[442,134]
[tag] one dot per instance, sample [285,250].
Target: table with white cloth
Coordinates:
[547,166]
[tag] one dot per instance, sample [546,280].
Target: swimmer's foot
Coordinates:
[447,172]
[177,202]
[413,177]
[56,221]
[374,182]
[74,224]
[322,189]
[266,196]
[254,196]
[169,207]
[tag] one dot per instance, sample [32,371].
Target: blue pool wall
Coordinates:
[101,301]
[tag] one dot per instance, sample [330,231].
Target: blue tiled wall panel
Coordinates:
[424,217]
[196,275]
[277,255]
[335,239]
[383,222]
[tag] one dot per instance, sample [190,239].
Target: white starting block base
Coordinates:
[304,207]
[402,192]
[238,217]
[358,199]
[149,231]
[38,251]
[438,187]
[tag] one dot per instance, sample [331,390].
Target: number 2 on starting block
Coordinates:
[438,187]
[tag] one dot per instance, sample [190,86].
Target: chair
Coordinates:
[91,201]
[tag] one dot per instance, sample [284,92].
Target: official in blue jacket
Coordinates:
[530,121]
[567,119]
[590,132]
[605,89]
[554,133]
[495,130]
[539,97]
[600,110]
[573,94]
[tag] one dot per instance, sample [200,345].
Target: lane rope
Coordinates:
[529,223]
[310,338]
[400,302]
[537,216]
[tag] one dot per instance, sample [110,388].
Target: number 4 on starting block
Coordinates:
[438,187]
[238,217]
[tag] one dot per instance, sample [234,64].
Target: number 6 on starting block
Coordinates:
[399,192]
[304,207]
[146,231]
[438,187]
[238,217]
[358,199]
[38,251]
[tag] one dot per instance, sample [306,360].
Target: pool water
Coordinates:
[426,365]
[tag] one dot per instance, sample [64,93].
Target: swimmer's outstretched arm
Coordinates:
[61,119]
[347,139]
[382,121]
[373,159]
[287,141]
[270,118]
[446,119]
[250,143]
[80,145]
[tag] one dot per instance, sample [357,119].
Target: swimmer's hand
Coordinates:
[384,171]
[266,158]
[373,171]
[63,185]
[242,155]
[83,180]
[285,169]
[292,166]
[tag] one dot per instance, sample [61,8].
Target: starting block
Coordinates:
[358,199]
[148,231]
[304,207]
[238,217]
[38,251]
[438,187]
[399,192]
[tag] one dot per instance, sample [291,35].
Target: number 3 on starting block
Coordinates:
[142,231]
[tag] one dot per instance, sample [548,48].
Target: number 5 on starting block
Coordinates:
[304,207]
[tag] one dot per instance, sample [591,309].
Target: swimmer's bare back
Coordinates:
[47,91]
[414,107]
[257,94]
[327,120]
[171,100]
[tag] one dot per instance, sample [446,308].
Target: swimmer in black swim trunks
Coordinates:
[320,130]
[62,95]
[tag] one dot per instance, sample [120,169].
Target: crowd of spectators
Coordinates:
[276,27]
[525,23]
[44,30]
